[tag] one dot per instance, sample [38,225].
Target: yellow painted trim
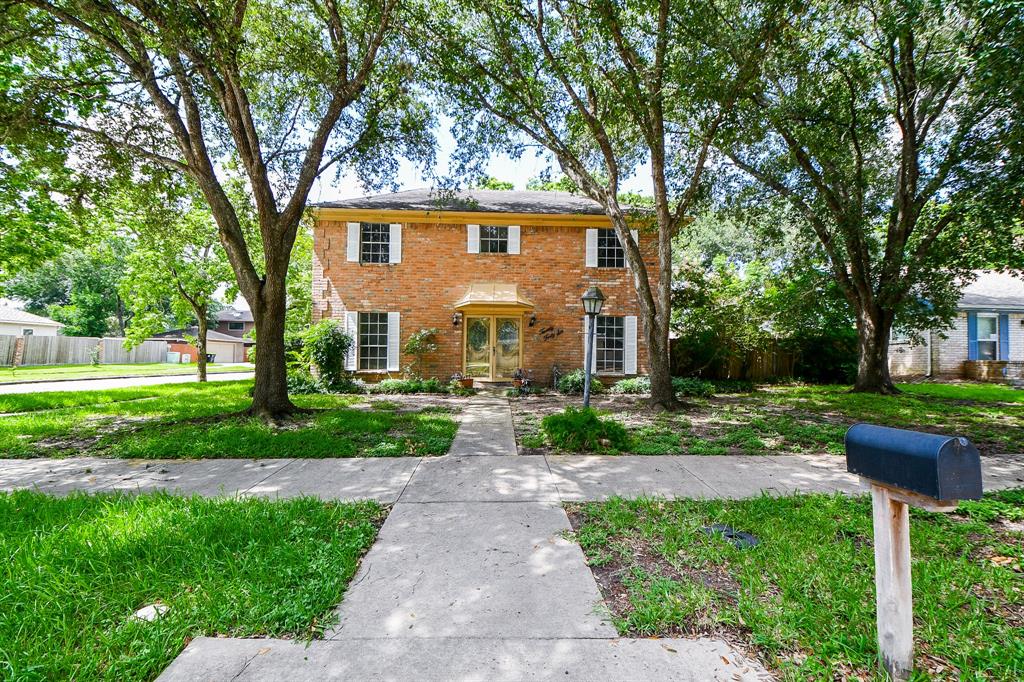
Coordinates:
[485,309]
[493,319]
[461,217]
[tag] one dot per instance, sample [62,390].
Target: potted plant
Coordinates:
[517,378]
[465,382]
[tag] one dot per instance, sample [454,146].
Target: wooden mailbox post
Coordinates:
[906,468]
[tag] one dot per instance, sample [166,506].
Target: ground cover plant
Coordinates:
[196,420]
[803,598]
[791,418]
[61,372]
[77,568]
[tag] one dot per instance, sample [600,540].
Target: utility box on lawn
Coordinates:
[906,468]
[940,467]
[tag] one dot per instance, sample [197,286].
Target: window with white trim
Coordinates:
[610,345]
[493,239]
[373,341]
[375,242]
[26,332]
[988,336]
[610,253]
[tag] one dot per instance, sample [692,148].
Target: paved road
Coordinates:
[115,382]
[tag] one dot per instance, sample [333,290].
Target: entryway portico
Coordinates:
[492,338]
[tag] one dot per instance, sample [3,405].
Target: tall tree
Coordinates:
[273,92]
[604,87]
[889,125]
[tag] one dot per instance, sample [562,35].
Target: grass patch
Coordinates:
[64,372]
[203,420]
[804,597]
[77,568]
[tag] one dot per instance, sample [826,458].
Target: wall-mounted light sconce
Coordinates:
[456,318]
[533,320]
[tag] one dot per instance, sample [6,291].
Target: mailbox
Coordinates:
[940,467]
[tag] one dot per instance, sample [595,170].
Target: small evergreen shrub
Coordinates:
[324,347]
[572,383]
[632,386]
[582,430]
[689,387]
[301,382]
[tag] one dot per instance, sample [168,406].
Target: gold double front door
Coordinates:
[493,346]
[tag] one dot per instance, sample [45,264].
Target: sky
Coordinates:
[516,171]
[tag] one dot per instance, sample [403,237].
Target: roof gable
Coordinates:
[994,291]
[474,201]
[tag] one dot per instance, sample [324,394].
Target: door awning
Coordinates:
[494,295]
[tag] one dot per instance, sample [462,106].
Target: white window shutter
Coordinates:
[513,239]
[395,244]
[472,239]
[591,248]
[636,240]
[394,339]
[352,327]
[629,330]
[353,242]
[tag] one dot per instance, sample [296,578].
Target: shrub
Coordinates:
[632,386]
[455,388]
[324,347]
[394,386]
[690,387]
[572,383]
[582,430]
[301,382]
[420,345]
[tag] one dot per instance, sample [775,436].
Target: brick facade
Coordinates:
[436,271]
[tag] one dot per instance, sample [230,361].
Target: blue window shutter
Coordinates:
[972,336]
[1004,337]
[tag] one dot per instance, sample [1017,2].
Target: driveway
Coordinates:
[118,382]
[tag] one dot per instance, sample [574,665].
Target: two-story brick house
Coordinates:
[498,274]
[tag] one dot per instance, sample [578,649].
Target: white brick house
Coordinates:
[986,341]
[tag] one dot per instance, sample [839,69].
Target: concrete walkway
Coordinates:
[472,575]
[115,382]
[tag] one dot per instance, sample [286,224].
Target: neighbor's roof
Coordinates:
[994,291]
[232,314]
[179,335]
[474,201]
[16,316]
[494,294]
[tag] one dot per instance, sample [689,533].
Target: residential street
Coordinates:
[118,382]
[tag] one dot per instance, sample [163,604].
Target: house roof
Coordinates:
[994,291]
[232,314]
[16,316]
[474,201]
[211,335]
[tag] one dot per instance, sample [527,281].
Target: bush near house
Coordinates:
[687,387]
[582,430]
[572,383]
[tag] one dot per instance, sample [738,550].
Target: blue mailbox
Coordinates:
[940,467]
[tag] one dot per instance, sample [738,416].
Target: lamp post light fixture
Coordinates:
[593,300]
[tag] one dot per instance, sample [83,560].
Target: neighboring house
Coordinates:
[16,322]
[224,347]
[234,322]
[498,274]
[986,341]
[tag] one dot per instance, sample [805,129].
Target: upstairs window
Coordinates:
[375,242]
[610,253]
[493,239]
[373,340]
[236,326]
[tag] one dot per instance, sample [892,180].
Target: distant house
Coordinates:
[986,341]
[234,322]
[16,322]
[224,347]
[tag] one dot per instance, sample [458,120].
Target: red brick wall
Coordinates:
[436,270]
[183,348]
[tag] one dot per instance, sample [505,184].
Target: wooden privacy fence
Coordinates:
[76,350]
[770,362]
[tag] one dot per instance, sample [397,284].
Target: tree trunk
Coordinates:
[662,392]
[873,328]
[270,393]
[201,345]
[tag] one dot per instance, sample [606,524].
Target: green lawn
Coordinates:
[203,420]
[803,599]
[57,372]
[75,569]
[801,419]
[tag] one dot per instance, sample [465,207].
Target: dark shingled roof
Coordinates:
[475,200]
[994,291]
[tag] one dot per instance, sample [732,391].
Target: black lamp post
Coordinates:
[593,299]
